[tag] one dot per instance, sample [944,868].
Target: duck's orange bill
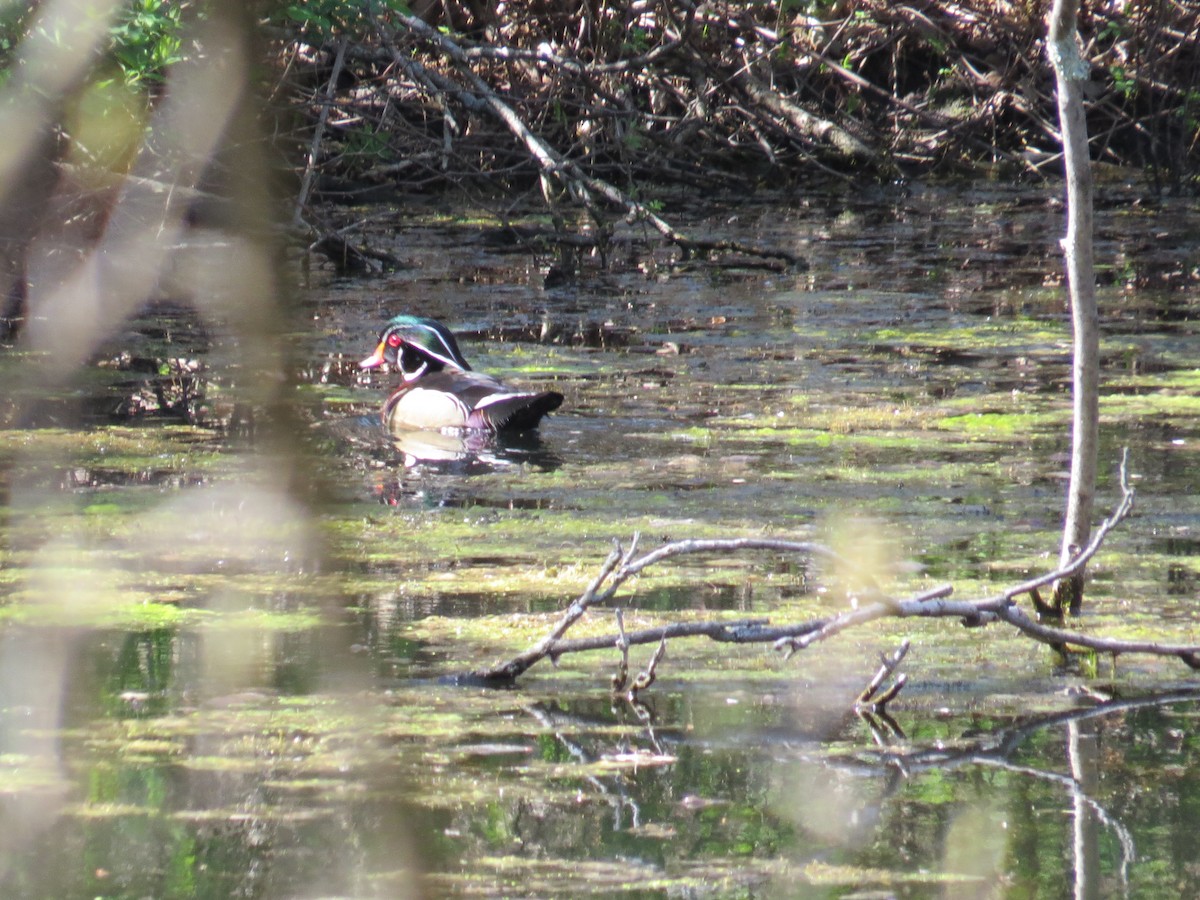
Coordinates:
[375,360]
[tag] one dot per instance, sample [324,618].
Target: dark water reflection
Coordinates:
[272,722]
[758,788]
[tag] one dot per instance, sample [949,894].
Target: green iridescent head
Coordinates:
[415,346]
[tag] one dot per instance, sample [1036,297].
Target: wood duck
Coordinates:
[440,391]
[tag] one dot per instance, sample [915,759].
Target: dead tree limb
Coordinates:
[1002,607]
[1071,70]
[802,120]
[618,568]
[314,150]
[621,565]
[583,188]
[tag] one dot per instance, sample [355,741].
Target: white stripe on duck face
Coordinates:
[421,408]
[450,354]
[415,373]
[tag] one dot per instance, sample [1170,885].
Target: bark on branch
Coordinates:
[621,565]
[1070,72]
[618,568]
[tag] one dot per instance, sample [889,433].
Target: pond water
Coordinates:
[211,690]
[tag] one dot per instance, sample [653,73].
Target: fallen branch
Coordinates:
[553,166]
[618,568]
[1001,607]
[621,565]
[807,124]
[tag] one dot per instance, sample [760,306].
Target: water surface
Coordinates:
[247,697]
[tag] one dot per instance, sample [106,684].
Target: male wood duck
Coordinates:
[440,391]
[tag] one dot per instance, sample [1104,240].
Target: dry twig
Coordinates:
[647,676]
[871,700]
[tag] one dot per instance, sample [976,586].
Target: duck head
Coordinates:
[416,346]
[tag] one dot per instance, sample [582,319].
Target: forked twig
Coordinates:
[647,676]
[870,699]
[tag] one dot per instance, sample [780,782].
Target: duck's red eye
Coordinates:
[394,340]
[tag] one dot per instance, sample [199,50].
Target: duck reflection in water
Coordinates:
[435,465]
[472,452]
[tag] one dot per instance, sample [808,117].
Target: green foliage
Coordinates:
[1089,663]
[317,15]
[637,40]
[367,142]
[634,137]
[1187,113]
[143,40]
[13,22]
[146,39]
[1123,82]
[1114,30]
[325,19]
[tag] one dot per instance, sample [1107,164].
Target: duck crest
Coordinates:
[430,338]
[440,391]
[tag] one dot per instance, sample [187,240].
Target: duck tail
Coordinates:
[514,412]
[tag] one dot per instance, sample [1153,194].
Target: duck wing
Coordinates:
[458,399]
[514,410]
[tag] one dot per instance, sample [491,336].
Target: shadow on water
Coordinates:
[243,716]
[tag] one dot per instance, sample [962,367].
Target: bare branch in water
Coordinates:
[647,676]
[621,565]
[871,700]
[621,676]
